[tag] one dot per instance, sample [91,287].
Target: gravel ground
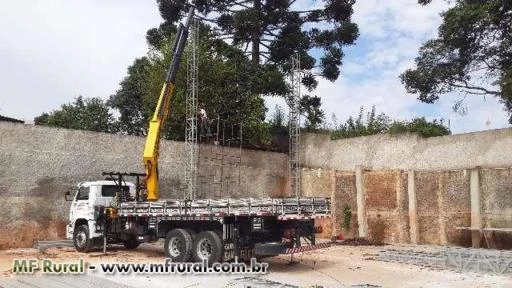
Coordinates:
[338,266]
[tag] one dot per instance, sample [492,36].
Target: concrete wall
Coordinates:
[38,164]
[488,149]
[496,203]
[391,188]
[424,208]
[408,189]
[386,205]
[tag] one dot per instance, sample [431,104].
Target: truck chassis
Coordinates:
[211,229]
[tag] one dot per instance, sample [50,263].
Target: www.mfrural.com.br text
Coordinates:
[167,267]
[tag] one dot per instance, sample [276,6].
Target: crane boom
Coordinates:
[151,148]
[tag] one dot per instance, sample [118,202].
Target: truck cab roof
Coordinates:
[104,183]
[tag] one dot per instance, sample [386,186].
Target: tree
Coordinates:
[471,54]
[309,106]
[222,89]
[381,123]
[274,30]
[278,118]
[374,124]
[84,113]
[421,127]
[278,130]
[130,98]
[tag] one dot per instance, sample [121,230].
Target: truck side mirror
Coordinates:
[68,196]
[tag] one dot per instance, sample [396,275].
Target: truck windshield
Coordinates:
[111,190]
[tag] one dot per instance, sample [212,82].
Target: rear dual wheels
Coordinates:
[208,246]
[184,245]
[178,245]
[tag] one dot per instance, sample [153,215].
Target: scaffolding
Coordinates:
[294,127]
[220,164]
[191,145]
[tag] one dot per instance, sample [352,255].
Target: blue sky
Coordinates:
[390,34]
[53,51]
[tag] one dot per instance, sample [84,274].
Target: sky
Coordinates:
[55,50]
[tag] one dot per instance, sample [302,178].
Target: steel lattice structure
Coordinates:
[294,127]
[191,145]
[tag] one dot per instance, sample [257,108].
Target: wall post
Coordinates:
[334,204]
[413,220]
[476,217]
[361,202]
[441,186]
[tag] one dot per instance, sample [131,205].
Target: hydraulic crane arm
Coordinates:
[151,149]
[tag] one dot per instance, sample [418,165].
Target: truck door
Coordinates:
[80,206]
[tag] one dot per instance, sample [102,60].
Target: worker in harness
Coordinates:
[205,125]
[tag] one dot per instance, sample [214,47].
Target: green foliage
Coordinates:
[347,217]
[310,107]
[278,118]
[84,113]
[381,123]
[222,90]
[374,124]
[273,31]
[231,81]
[130,98]
[471,54]
[279,130]
[420,126]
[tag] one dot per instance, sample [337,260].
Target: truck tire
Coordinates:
[82,239]
[208,245]
[178,245]
[192,234]
[131,243]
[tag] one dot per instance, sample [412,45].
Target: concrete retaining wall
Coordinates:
[38,164]
[410,189]
[488,149]
[391,188]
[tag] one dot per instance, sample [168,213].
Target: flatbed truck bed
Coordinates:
[195,230]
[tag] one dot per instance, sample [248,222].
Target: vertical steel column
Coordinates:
[191,146]
[294,128]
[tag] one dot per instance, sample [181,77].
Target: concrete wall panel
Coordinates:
[38,164]
[345,194]
[488,149]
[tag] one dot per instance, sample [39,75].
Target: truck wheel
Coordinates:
[192,234]
[178,245]
[82,239]
[208,245]
[131,243]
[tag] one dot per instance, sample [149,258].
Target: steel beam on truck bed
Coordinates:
[292,208]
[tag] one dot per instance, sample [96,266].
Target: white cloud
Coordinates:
[391,34]
[344,98]
[380,19]
[483,113]
[53,51]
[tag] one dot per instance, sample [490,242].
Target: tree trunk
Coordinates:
[255,39]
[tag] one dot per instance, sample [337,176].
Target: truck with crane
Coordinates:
[118,211]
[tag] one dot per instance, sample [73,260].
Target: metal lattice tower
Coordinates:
[294,128]
[191,146]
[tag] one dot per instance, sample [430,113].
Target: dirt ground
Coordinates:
[338,266]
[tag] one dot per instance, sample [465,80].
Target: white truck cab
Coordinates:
[85,205]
